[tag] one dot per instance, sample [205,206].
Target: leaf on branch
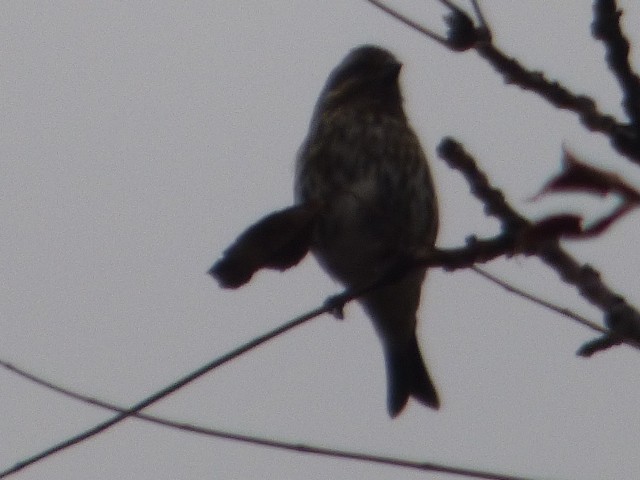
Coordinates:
[579,177]
[278,241]
[601,225]
[570,226]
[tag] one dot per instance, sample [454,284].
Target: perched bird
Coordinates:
[363,165]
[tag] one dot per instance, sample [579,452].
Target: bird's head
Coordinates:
[368,73]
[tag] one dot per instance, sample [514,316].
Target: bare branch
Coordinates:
[463,36]
[622,137]
[565,312]
[622,319]
[155,397]
[262,441]
[606,27]
[407,21]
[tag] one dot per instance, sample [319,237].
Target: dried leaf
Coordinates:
[570,226]
[579,177]
[601,225]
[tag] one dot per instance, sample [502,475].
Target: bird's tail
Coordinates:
[407,376]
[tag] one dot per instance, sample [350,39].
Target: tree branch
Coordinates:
[622,319]
[463,35]
[606,27]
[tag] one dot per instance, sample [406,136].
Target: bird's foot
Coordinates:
[335,306]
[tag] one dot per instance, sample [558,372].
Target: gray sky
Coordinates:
[138,139]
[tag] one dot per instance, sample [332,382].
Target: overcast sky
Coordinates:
[139,138]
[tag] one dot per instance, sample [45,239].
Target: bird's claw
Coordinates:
[335,306]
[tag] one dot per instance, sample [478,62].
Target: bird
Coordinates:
[363,165]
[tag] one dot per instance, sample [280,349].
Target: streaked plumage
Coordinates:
[363,164]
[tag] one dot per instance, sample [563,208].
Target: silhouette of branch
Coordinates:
[518,237]
[452,152]
[601,343]
[261,441]
[606,27]
[124,414]
[535,299]
[622,138]
[463,35]
[407,21]
[621,319]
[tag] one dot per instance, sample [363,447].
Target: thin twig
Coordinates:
[478,11]
[407,21]
[514,73]
[262,441]
[624,325]
[606,27]
[621,136]
[540,301]
[124,414]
